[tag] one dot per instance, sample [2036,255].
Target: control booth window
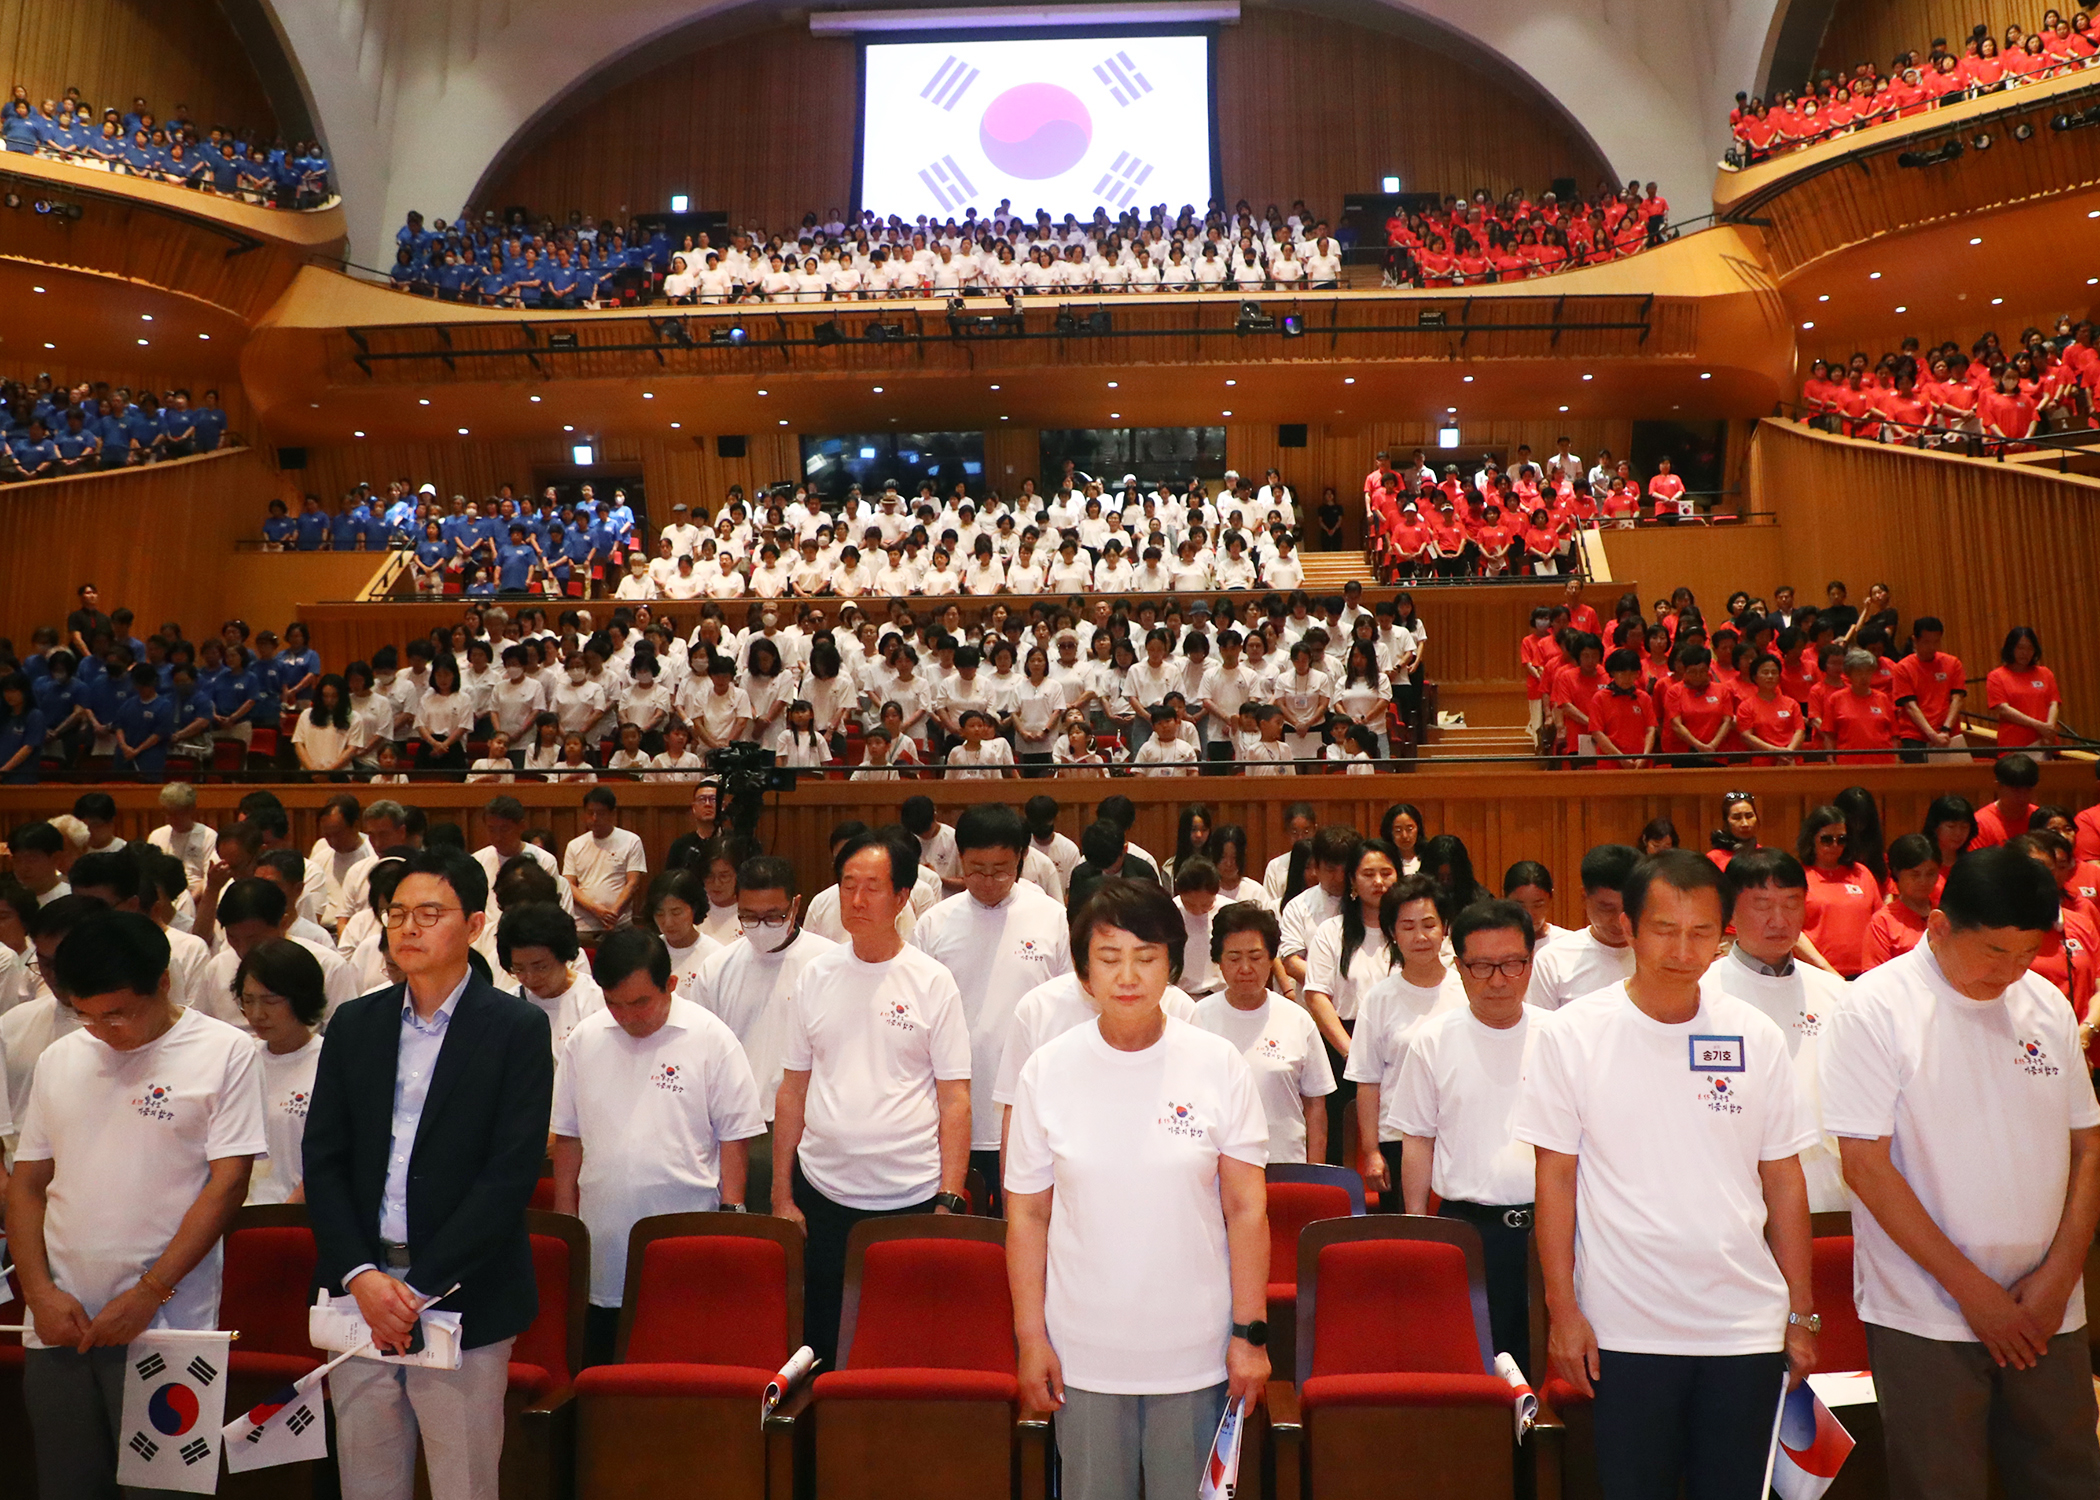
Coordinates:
[832,465]
[1151,453]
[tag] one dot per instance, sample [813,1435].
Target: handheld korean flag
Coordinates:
[1809,1449]
[288,1428]
[800,1366]
[174,1405]
[1221,1475]
[1523,1404]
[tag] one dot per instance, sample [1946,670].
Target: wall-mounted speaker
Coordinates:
[1291,435]
[291,458]
[729,445]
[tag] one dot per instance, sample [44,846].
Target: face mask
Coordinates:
[577,674]
[515,674]
[645,683]
[386,679]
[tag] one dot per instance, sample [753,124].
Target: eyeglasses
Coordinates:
[1508,968]
[1830,838]
[429,914]
[767,924]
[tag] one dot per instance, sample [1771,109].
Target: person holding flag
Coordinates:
[135,1153]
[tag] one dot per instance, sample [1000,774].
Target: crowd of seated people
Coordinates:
[1497,522]
[1773,683]
[1471,242]
[528,263]
[1278,681]
[232,162]
[49,431]
[1084,536]
[1945,397]
[1841,102]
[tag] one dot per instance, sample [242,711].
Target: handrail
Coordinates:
[1973,444]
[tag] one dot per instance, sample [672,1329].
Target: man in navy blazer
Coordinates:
[424,1140]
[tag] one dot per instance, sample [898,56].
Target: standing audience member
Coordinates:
[1843,895]
[654,1110]
[1601,954]
[1419,988]
[1137,1340]
[400,1214]
[1959,1094]
[605,865]
[134,1153]
[873,1117]
[1277,1038]
[282,996]
[1672,1219]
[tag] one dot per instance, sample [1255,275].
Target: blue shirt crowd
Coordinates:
[49,432]
[236,163]
[515,266]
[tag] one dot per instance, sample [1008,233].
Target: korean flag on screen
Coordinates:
[1064,124]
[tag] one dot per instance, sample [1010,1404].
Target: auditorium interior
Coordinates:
[455,251]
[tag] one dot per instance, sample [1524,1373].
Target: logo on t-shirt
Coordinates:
[1809,1024]
[156,1102]
[1031,949]
[670,1078]
[1720,1096]
[1269,1047]
[294,1103]
[1180,1119]
[2035,1062]
[898,1014]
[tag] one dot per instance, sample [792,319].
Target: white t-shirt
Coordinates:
[573,1006]
[996,954]
[1283,1047]
[1575,966]
[1302,918]
[1049,1011]
[651,1113]
[1393,1013]
[1368,966]
[1981,1098]
[131,1136]
[1669,1124]
[1802,1005]
[1138,1293]
[748,990]
[288,1086]
[874,1038]
[1459,1086]
[25,1033]
[686,962]
[599,868]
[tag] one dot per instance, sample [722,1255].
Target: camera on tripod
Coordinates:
[746,773]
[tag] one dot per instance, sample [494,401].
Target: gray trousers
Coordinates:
[1948,1413]
[1105,1443]
[76,1406]
[381,1409]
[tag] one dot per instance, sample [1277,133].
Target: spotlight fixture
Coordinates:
[1293,326]
[735,333]
[2024,131]
[882,333]
[1431,317]
[2081,120]
[828,333]
[12,200]
[1066,323]
[1948,150]
[1100,320]
[1253,320]
[667,331]
[570,341]
[1982,140]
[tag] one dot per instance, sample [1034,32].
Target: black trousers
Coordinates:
[1341,1107]
[1505,1247]
[601,1333]
[986,1165]
[824,1261]
[1700,1422]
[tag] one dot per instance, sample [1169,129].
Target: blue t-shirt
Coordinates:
[292,665]
[210,423]
[177,426]
[576,546]
[314,528]
[33,455]
[230,690]
[143,427]
[514,563]
[16,732]
[429,553]
[280,529]
[73,444]
[348,529]
[192,707]
[135,719]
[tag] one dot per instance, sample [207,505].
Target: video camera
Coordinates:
[746,773]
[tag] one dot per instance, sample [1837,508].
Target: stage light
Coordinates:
[1447,437]
[2024,131]
[734,334]
[1948,150]
[1066,322]
[827,333]
[881,333]
[1293,326]
[1982,141]
[2081,120]
[1253,320]
[1099,321]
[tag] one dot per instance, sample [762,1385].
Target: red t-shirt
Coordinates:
[1776,722]
[1841,905]
[1933,684]
[1576,689]
[1543,652]
[2087,841]
[1704,712]
[1861,723]
[1625,717]
[2067,959]
[1894,931]
[1993,827]
[2032,692]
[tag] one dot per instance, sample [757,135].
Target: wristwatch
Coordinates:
[1813,1322]
[955,1203]
[1255,1333]
[732,1208]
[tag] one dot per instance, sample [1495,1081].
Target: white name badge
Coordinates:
[1717,1054]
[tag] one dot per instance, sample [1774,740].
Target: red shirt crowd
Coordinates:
[1945,396]
[1468,242]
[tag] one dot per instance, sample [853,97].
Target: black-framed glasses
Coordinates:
[428,914]
[1508,968]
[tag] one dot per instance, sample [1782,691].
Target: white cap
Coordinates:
[428,489]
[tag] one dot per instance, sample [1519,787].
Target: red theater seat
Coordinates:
[1395,1376]
[925,1401]
[1299,1194]
[269,1269]
[712,1307]
[539,1414]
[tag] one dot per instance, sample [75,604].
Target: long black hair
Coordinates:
[1353,926]
[1863,824]
[1185,843]
[1446,860]
[319,714]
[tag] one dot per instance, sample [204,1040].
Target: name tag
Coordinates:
[1717,1054]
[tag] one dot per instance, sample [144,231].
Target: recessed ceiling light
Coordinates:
[1226,414]
[1706,374]
[1808,325]
[2095,214]
[783,421]
[1451,409]
[1563,408]
[1348,380]
[994,388]
[145,317]
[1112,385]
[565,427]
[205,336]
[674,426]
[761,393]
[1116,415]
[1902,309]
[533,399]
[1232,382]
[648,395]
[1589,377]
[1824,298]
[1976,240]
[463,432]
[1675,407]
[357,434]
[876,389]
[50,346]
[1006,419]
[36,289]
[142,341]
[423,401]
[1469,380]
[1995,301]
[2092,281]
[1876,275]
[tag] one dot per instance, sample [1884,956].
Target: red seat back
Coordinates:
[542,1195]
[268,1269]
[1842,1345]
[1394,1306]
[711,1300]
[1292,1206]
[546,1342]
[933,1304]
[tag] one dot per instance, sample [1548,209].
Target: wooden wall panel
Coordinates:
[157,539]
[267,589]
[1374,103]
[1983,545]
[1712,561]
[185,52]
[1546,816]
[1876,30]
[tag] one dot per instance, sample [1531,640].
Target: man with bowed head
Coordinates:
[873,1114]
[1965,1116]
[402,1212]
[1672,1216]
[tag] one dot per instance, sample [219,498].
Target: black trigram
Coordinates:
[150,1366]
[144,1446]
[300,1420]
[1120,183]
[194,1450]
[945,180]
[202,1370]
[950,81]
[1125,84]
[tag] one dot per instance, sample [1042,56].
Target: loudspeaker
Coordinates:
[291,458]
[729,445]
[1291,435]
[1564,188]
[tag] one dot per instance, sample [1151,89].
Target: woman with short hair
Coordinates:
[282,994]
[1137,1222]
